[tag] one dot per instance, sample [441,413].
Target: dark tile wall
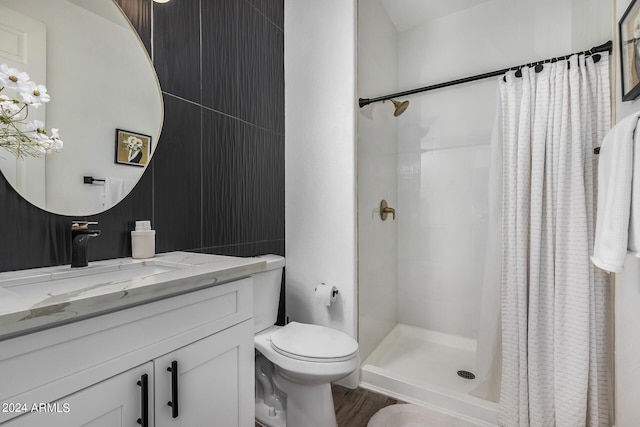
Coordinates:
[216,181]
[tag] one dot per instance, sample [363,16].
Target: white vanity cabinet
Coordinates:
[210,376]
[90,369]
[116,402]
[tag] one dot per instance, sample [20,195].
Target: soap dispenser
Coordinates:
[143,240]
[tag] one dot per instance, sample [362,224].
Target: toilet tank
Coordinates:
[266,293]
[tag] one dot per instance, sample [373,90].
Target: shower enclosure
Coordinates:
[421,275]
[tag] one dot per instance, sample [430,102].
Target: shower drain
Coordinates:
[466,375]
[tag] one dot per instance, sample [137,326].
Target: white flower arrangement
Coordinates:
[17,135]
[133,143]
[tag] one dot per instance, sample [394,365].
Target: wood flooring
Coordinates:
[354,408]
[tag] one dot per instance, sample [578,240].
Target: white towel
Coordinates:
[618,214]
[115,189]
[634,215]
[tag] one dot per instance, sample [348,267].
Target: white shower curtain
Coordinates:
[554,369]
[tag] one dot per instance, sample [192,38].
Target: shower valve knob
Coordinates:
[385,210]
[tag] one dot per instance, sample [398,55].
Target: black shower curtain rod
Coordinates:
[606,47]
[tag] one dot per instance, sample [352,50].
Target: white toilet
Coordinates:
[296,363]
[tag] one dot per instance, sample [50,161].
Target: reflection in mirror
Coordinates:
[100,80]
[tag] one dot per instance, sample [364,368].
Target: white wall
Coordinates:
[377,175]
[443,158]
[591,23]
[320,164]
[627,300]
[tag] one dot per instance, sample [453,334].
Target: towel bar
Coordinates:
[91,180]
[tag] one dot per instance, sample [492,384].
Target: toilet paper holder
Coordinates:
[334,292]
[325,294]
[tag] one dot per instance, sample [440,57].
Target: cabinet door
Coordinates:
[213,379]
[111,403]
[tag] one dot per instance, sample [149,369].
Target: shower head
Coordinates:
[400,107]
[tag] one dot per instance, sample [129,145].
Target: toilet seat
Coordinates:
[313,343]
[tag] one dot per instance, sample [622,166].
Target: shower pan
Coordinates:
[429,368]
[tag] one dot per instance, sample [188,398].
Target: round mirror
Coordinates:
[105,102]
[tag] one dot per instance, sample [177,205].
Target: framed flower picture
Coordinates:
[132,148]
[629,27]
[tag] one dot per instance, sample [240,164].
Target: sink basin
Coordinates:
[66,279]
[49,290]
[74,282]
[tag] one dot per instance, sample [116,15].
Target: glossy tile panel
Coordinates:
[177,178]
[261,71]
[139,13]
[176,47]
[262,183]
[220,54]
[221,161]
[243,182]
[272,9]
[30,236]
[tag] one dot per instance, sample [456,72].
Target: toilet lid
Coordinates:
[313,342]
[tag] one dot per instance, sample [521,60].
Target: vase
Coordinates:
[135,156]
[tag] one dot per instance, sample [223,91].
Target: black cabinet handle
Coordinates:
[144,400]
[174,389]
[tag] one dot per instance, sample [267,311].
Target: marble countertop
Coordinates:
[36,299]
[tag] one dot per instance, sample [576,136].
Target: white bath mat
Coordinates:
[409,415]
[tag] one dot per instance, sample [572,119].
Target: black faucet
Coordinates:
[80,235]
